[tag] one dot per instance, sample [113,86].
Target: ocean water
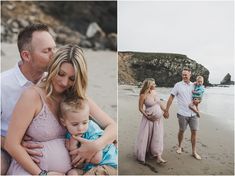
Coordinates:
[217,102]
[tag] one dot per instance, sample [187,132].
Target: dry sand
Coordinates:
[102,75]
[215,143]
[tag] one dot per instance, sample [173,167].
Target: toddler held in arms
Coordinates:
[197,94]
[74,115]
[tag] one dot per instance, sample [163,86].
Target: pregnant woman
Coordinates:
[150,136]
[36,115]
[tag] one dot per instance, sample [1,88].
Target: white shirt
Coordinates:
[13,83]
[183,93]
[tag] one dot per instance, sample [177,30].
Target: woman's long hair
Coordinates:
[148,82]
[72,54]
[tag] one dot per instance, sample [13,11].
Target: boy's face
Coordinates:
[76,122]
[199,81]
[196,101]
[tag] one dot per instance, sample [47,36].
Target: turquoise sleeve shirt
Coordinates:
[109,152]
[199,90]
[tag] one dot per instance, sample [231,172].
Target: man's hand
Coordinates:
[85,152]
[31,149]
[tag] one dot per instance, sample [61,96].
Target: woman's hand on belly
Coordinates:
[85,152]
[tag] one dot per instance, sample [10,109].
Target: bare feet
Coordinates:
[160,160]
[195,155]
[179,150]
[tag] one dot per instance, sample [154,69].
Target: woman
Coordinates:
[36,111]
[150,136]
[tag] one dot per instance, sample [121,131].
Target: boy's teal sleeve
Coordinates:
[67,135]
[93,132]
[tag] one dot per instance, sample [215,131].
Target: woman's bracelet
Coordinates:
[43,172]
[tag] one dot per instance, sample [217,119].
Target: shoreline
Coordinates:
[212,85]
[215,144]
[205,106]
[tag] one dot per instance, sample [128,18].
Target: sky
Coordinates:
[202,30]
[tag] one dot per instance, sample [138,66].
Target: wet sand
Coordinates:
[215,143]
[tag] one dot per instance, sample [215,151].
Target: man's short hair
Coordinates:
[25,36]
[186,69]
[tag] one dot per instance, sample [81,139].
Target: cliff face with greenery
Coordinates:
[165,68]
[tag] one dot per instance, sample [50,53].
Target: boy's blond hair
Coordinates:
[73,105]
[200,77]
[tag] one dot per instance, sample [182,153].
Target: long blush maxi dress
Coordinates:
[150,135]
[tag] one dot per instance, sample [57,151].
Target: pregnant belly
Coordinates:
[155,112]
[55,156]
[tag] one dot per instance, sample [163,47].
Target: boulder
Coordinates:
[64,35]
[112,41]
[84,23]
[93,30]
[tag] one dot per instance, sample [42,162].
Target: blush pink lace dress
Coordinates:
[150,135]
[45,129]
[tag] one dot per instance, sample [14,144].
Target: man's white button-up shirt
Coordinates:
[13,83]
[183,93]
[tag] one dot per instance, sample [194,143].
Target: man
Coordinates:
[36,47]
[183,93]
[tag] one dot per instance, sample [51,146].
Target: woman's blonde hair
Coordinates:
[148,82]
[72,54]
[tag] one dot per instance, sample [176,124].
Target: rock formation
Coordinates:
[227,80]
[68,21]
[165,68]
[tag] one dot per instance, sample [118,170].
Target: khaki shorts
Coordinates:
[192,121]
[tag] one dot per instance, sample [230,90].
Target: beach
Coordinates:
[215,142]
[102,75]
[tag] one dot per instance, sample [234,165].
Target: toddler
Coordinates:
[197,94]
[75,117]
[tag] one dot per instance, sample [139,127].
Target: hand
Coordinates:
[149,117]
[85,152]
[31,148]
[166,114]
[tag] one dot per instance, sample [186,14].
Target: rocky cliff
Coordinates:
[91,24]
[165,68]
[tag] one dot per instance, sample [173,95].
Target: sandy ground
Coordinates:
[215,143]
[102,75]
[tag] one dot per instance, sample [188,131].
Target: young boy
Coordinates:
[197,94]
[75,117]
